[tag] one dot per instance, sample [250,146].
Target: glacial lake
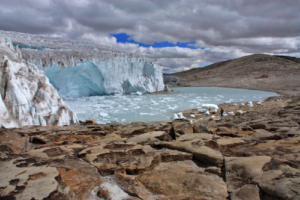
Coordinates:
[154,107]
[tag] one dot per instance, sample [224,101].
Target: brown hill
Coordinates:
[260,72]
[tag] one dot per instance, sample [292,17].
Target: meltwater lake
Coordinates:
[154,107]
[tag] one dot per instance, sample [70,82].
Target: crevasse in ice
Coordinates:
[27,97]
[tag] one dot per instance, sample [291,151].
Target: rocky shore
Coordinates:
[253,155]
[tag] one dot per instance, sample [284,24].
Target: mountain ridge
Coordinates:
[258,71]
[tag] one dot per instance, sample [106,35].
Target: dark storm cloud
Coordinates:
[227,28]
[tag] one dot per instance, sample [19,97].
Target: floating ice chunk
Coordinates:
[193,116]
[144,113]
[175,116]
[123,120]
[242,104]
[172,108]
[210,106]
[116,120]
[229,101]
[234,104]
[206,113]
[221,96]
[153,102]
[102,114]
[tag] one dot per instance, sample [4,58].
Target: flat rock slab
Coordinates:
[202,136]
[285,149]
[183,180]
[231,142]
[146,137]
[113,156]
[239,170]
[274,178]
[247,192]
[19,182]
[200,152]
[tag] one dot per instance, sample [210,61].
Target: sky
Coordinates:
[177,34]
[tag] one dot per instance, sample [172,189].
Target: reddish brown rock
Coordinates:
[110,157]
[183,128]
[200,152]
[183,180]
[247,192]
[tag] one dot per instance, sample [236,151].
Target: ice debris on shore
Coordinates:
[250,104]
[178,116]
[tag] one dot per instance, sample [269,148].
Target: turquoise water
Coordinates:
[154,107]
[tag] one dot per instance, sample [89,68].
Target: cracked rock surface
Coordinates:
[251,156]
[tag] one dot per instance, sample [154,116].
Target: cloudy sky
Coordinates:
[177,34]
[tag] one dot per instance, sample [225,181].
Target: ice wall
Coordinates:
[27,97]
[77,68]
[88,76]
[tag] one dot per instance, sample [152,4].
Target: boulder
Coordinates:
[183,128]
[199,128]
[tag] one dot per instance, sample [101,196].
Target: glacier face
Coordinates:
[78,68]
[27,97]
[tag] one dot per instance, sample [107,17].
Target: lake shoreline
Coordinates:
[157,106]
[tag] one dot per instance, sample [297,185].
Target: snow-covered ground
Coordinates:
[128,108]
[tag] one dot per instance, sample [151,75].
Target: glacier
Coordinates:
[27,97]
[78,68]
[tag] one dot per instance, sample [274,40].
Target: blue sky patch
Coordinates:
[124,38]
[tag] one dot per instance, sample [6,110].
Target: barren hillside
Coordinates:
[261,72]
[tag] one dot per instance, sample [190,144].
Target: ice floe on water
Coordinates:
[154,107]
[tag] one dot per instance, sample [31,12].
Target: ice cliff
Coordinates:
[77,68]
[27,97]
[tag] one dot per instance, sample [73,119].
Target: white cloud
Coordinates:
[226,29]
